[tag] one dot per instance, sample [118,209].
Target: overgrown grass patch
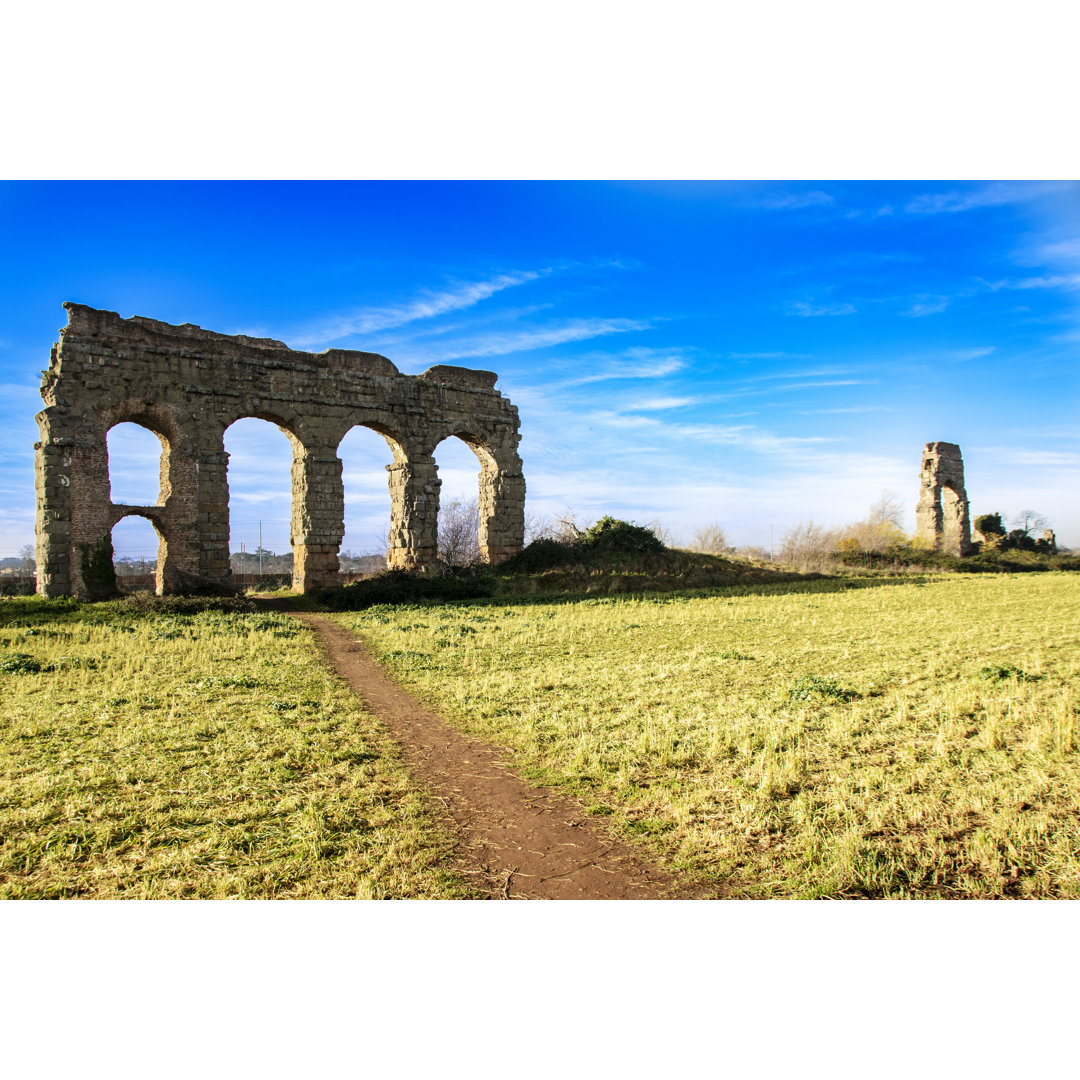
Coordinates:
[196,749]
[884,737]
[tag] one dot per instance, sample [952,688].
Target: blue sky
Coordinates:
[748,353]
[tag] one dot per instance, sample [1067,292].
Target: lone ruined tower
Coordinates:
[942,517]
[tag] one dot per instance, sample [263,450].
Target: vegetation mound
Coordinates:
[618,556]
[408,587]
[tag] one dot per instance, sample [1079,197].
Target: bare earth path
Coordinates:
[519,842]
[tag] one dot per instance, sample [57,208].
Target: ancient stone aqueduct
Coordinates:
[187,385]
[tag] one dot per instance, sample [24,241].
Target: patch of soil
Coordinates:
[517,842]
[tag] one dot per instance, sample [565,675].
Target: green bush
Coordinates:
[611,535]
[408,587]
[540,555]
[98,573]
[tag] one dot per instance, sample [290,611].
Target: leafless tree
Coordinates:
[459,532]
[888,510]
[711,539]
[752,551]
[809,546]
[538,527]
[662,532]
[1029,521]
[879,530]
[567,528]
[28,557]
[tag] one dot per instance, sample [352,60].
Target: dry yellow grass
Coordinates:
[209,754]
[900,738]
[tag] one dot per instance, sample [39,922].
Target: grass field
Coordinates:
[885,738]
[200,754]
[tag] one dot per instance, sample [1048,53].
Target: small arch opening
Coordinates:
[261,454]
[365,454]
[462,505]
[138,553]
[138,465]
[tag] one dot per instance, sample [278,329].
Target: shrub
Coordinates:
[811,687]
[609,535]
[543,554]
[98,572]
[408,587]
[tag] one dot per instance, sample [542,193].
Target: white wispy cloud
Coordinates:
[927,305]
[852,409]
[758,355]
[960,356]
[996,194]
[656,404]
[1069,282]
[794,200]
[427,305]
[814,385]
[801,307]
[1020,456]
[512,341]
[632,364]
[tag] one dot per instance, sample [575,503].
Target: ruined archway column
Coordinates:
[414,514]
[946,527]
[73,513]
[180,546]
[502,511]
[318,516]
[212,506]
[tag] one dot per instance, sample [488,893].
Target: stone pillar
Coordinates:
[179,549]
[414,514]
[502,512]
[212,507]
[73,507]
[942,515]
[52,468]
[318,516]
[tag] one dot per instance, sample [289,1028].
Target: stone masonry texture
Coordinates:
[187,385]
[942,516]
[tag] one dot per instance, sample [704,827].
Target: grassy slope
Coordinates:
[207,755]
[911,738]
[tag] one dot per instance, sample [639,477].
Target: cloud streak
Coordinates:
[997,194]
[795,200]
[427,305]
[810,311]
[502,344]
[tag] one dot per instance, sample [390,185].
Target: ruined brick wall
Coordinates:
[187,385]
[942,517]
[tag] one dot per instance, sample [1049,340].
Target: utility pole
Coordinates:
[770,544]
[260,549]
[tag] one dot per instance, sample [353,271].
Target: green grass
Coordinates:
[198,753]
[886,737]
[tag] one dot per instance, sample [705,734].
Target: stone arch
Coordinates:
[189,385]
[162,455]
[156,517]
[500,490]
[289,426]
[399,459]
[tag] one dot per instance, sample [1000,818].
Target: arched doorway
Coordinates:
[466,499]
[261,454]
[137,548]
[366,454]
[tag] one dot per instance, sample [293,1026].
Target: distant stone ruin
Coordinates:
[942,517]
[187,385]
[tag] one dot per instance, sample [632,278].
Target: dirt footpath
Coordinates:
[516,841]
